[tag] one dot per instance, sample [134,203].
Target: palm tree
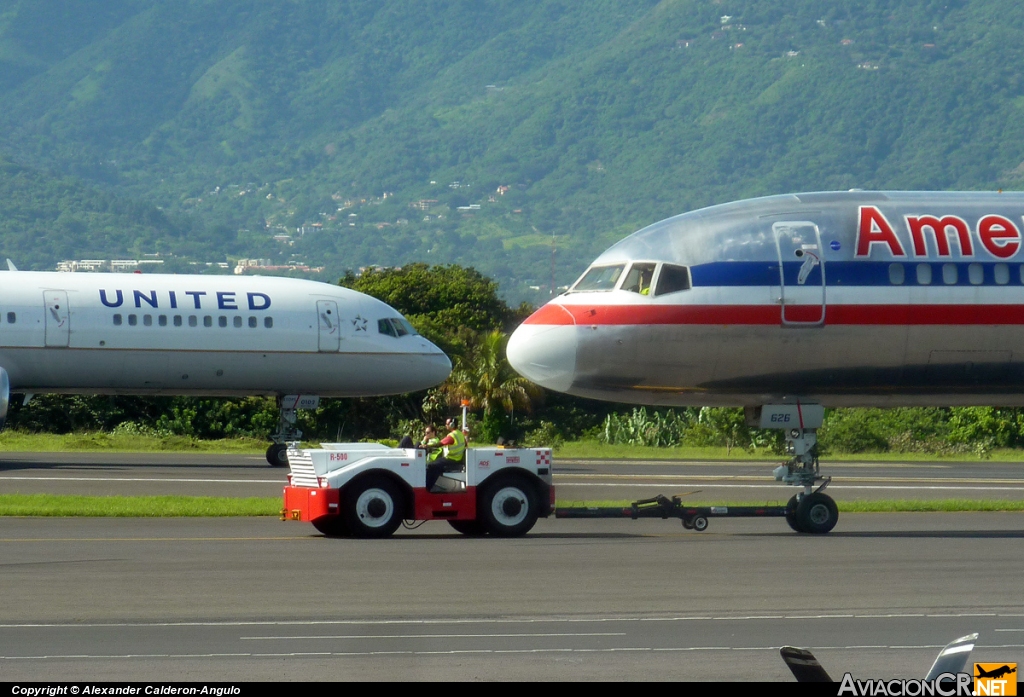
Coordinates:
[484,378]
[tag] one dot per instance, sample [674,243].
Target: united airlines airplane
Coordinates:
[218,336]
[789,304]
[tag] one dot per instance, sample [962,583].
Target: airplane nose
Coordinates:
[544,354]
[434,367]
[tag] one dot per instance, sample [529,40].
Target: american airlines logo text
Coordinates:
[197,299]
[996,234]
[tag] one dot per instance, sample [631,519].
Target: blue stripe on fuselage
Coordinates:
[844,273]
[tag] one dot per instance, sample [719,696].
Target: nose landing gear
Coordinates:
[289,405]
[810,511]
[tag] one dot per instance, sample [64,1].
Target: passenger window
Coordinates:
[672,279]
[132,320]
[639,278]
[222,321]
[147,320]
[384,326]
[949,274]
[162,321]
[599,278]
[177,320]
[268,322]
[117,320]
[238,321]
[207,321]
[924,274]
[252,322]
[896,274]
[1001,273]
[11,318]
[976,274]
[193,321]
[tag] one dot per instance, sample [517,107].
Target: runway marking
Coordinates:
[431,636]
[489,621]
[155,539]
[454,652]
[713,477]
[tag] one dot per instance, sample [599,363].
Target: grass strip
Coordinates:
[49,505]
[95,441]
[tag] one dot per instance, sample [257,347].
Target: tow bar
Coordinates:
[693,517]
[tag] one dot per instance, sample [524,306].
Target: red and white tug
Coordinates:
[368,489]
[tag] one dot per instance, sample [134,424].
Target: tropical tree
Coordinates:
[483,378]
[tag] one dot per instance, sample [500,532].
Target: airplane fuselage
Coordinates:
[841,298]
[205,335]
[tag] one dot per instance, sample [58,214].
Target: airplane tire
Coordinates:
[508,506]
[332,526]
[791,515]
[277,455]
[373,507]
[817,514]
[469,528]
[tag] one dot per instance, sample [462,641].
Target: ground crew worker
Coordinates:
[432,443]
[454,459]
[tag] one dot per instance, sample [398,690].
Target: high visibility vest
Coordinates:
[457,450]
[433,454]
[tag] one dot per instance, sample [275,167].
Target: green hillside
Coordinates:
[326,121]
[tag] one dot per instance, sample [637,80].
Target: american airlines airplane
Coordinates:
[216,336]
[789,304]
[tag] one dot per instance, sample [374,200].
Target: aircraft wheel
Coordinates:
[508,506]
[373,507]
[277,455]
[817,514]
[469,528]
[700,523]
[791,515]
[332,526]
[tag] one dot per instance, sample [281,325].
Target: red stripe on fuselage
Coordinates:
[559,315]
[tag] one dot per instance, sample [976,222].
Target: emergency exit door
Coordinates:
[58,318]
[801,274]
[329,334]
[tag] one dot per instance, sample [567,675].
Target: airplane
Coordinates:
[788,304]
[210,336]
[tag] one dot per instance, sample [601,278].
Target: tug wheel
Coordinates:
[373,506]
[508,505]
[700,523]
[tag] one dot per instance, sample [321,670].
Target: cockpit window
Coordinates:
[395,326]
[638,280]
[599,278]
[384,326]
[672,279]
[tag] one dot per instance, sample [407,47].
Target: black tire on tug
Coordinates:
[469,528]
[277,455]
[507,506]
[373,506]
[791,515]
[332,526]
[817,514]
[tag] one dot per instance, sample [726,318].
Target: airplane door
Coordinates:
[329,333]
[801,274]
[58,318]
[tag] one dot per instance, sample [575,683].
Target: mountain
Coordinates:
[329,122]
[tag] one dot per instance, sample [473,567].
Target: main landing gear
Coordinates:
[810,511]
[289,405]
